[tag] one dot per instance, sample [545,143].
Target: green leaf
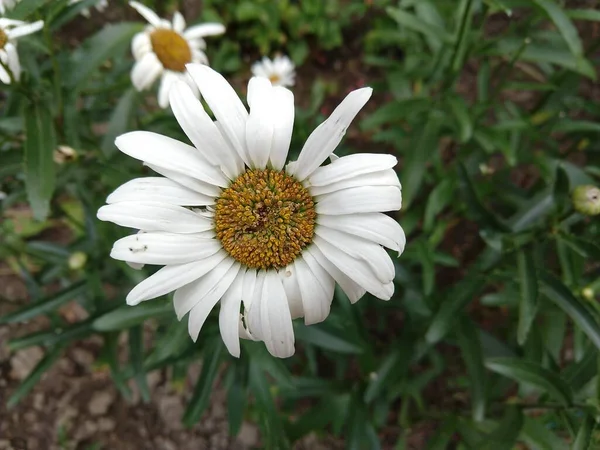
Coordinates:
[561,188]
[236,397]
[556,291]
[584,14]
[111,355]
[28,384]
[528,303]
[576,126]
[453,303]
[136,356]
[564,25]
[537,436]
[470,347]
[326,339]
[532,373]
[46,304]
[171,344]
[584,435]
[110,42]
[26,8]
[40,143]
[414,23]
[129,316]
[204,385]
[53,338]
[438,199]
[460,111]
[387,371]
[120,121]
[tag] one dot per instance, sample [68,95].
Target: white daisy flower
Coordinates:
[5,5]
[230,221]
[280,71]
[100,6]
[10,31]
[164,48]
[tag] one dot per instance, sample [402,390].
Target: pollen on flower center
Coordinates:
[3,38]
[265,218]
[171,49]
[274,78]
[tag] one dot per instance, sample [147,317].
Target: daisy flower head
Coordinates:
[10,31]
[230,221]
[100,6]
[164,48]
[5,5]
[280,71]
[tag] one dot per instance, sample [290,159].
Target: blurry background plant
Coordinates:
[492,337]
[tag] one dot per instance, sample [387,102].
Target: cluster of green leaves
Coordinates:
[493,334]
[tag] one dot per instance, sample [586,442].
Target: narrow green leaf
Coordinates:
[26,8]
[46,304]
[537,436]
[576,126]
[170,345]
[136,356]
[414,23]
[236,396]
[27,385]
[53,338]
[584,14]
[460,111]
[470,346]
[110,354]
[204,385]
[389,369]
[119,121]
[584,435]
[528,303]
[40,143]
[438,199]
[561,295]
[564,25]
[532,373]
[128,316]
[326,339]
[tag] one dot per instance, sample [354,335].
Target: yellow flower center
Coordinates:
[3,38]
[265,218]
[274,78]
[171,49]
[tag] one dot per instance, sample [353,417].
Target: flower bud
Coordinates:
[586,199]
[77,260]
[588,293]
[64,154]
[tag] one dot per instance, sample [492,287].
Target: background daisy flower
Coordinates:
[5,5]
[10,31]
[100,6]
[231,222]
[163,49]
[280,71]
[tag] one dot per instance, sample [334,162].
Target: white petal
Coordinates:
[170,278]
[166,82]
[326,137]
[271,315]
[202,131]
[164,248]
[292,291]
[375,227]
[4,76]
[358,248]
[146,71]
[355,269]
[207,302]
[229,315]
[363,199]
[147,14]
[351,166]
[178,22]
[316,301]
[140,45]
[170,154]
[353,290]
[283,124]
[188,296]
[205,29]
[259,126]
[382,178]
[24,29]
[249,288]
[225,105]
[187,181]
[158,189]
[13,60]
[155,217]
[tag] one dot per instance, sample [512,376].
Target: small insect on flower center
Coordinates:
[3,38]
[265,219]
[171,49]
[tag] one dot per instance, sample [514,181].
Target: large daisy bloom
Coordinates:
[5,5]
[10,31]
[100,6]
[231,222]
[280,71]
[164,48]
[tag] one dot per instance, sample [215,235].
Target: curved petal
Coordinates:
[155,217]
[173,277]
[202,30]
[259,126]
[4,76]
[164,248]
[326,137]
[170,154]
[158,189]
[292,291]
[187,181]
[225,105]
[358,248]
[202,131]
[375,227]
[351,166]
[363,199]
[229,315]
[140,45]
[147,14]
[382,178]
[146,71]
[12,58]
[24,29]
[283,125]
[178,22]
[166,83]
[204,306]
[316,301]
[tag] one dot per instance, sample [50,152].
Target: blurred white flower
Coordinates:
[100,6]
[10,31]
[5,5]
[231,222]
[164,48]
[280,71]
